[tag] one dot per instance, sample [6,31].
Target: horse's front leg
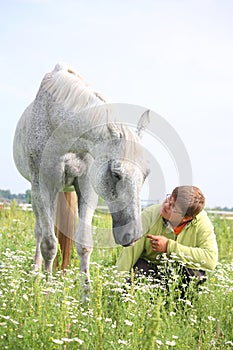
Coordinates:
[84,251]
[84,247]
[84,242]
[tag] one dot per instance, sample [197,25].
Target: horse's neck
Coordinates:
[84,137]
[87,130]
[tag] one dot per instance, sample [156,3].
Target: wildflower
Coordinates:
[128,299]
[80,341]
[120,341]
[210,318]
[120,290]
[58,341]
[128,323]
[170,343]
[193,320]
[5,317]
[229,343]
[68,340]
[84,330]
[187,302]
[159,342]
[75,321]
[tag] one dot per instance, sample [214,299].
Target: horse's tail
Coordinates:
[65,224]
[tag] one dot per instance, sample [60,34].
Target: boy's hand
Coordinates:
[158,243]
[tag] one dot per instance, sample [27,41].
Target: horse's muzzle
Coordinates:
[124,238]
[131,244]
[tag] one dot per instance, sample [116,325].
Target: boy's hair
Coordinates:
[190,199]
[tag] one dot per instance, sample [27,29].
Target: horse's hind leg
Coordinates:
[38,255]
[38,235]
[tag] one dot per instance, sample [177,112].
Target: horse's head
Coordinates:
[125,179]
[119,180]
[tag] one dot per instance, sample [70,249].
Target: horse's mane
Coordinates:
[69,88]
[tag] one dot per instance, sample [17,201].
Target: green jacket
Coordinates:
[195,245]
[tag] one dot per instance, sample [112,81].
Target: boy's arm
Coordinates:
[130,255]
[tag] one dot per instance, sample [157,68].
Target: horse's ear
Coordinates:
[114,131]
[143,122]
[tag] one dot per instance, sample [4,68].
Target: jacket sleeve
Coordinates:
[203,255]
[130,255]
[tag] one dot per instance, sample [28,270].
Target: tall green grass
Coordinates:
[40,314]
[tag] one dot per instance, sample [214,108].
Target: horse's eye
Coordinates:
[116,176]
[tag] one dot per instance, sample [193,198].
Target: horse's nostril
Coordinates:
[127,239]
[132,243]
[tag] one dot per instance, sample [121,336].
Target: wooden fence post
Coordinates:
[65,224]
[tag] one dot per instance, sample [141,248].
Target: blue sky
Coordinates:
[174,57]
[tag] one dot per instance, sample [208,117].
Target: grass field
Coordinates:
[40,314]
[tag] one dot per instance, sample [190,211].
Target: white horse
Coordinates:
[65,137]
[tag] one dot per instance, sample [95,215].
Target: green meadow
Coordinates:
[36,313]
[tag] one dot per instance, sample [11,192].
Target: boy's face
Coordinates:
[171,211]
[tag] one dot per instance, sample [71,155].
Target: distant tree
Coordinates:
[5,194]
[22,197]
